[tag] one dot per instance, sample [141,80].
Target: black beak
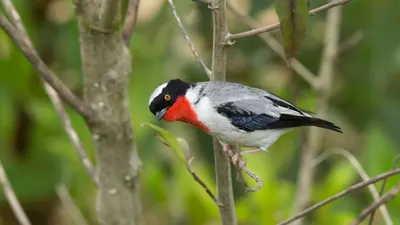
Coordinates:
[160,114]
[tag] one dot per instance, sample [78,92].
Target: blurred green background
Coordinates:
[38,156]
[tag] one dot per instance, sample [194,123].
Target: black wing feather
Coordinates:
[249,121]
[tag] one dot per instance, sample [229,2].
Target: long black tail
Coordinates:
[289,121]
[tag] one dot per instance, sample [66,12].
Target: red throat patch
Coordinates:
[182,110]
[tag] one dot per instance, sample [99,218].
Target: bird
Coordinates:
[233,113]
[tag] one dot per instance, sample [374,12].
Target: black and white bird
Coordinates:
[231,112]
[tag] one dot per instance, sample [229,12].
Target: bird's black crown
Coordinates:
[168,95]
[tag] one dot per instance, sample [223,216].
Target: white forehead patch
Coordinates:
[157,91]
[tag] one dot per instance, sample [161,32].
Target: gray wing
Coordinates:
[252,109]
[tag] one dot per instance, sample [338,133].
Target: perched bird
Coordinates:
[231,112]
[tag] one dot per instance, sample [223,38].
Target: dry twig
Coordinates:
[69,205]
[395,163]
[53,95]
[130,20]
[360,170]
[297,66]
[12,199]
[24,44]
[341,194]
[73,136]
[188,40]
[277,25]
[385,198]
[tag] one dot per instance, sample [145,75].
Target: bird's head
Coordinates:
[165,96]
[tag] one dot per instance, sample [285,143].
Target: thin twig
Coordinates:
[53,95]
[24,44]
[394,165]
[68,204]
[341,194]
[313,144]
[385,198]
[73,136]
[351,42]
[187,39]
[130,20]
[360,170]
[201,182]
[297,66]
[277,25]
[12,198]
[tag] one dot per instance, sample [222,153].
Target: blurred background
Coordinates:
[42,164]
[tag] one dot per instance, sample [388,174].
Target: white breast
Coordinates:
[221,127]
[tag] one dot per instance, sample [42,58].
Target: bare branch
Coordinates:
[68,203]
[395,163]
[222,161]
[360,170]
[74,138]
[12,198]
[189,159]
[24,44]
[201,182]
[306,74]
[16,20]
[130,20]
[341,194]
[385,198]
[277,25]
[187,39]
[351,42]
[306,171]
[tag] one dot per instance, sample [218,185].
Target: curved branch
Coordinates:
[385,198]
[277,25]
[12,198]
[341,194]
[360,170]
[24,44]
[187,39]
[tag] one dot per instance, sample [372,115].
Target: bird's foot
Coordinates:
[237,155]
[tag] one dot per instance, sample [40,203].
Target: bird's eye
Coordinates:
[167,97]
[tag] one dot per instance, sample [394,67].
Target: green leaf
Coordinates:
[293,16]
[178,145]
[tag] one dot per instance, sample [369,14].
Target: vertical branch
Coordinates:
[326,72]
[222,162]
[12,199]
[106,65]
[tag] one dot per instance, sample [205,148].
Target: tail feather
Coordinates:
[290,121]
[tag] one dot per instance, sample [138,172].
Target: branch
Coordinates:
[107,66]
[276,47]
[24,44]
[12,199]
[360,170]
[73,137]
[222,162]
[189,159]
[130,20]
[394,166]
[385,198]
[187,39]
[68,203]
[314,139]
[201,182]
[58,105]
[277,25]
[341,194]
